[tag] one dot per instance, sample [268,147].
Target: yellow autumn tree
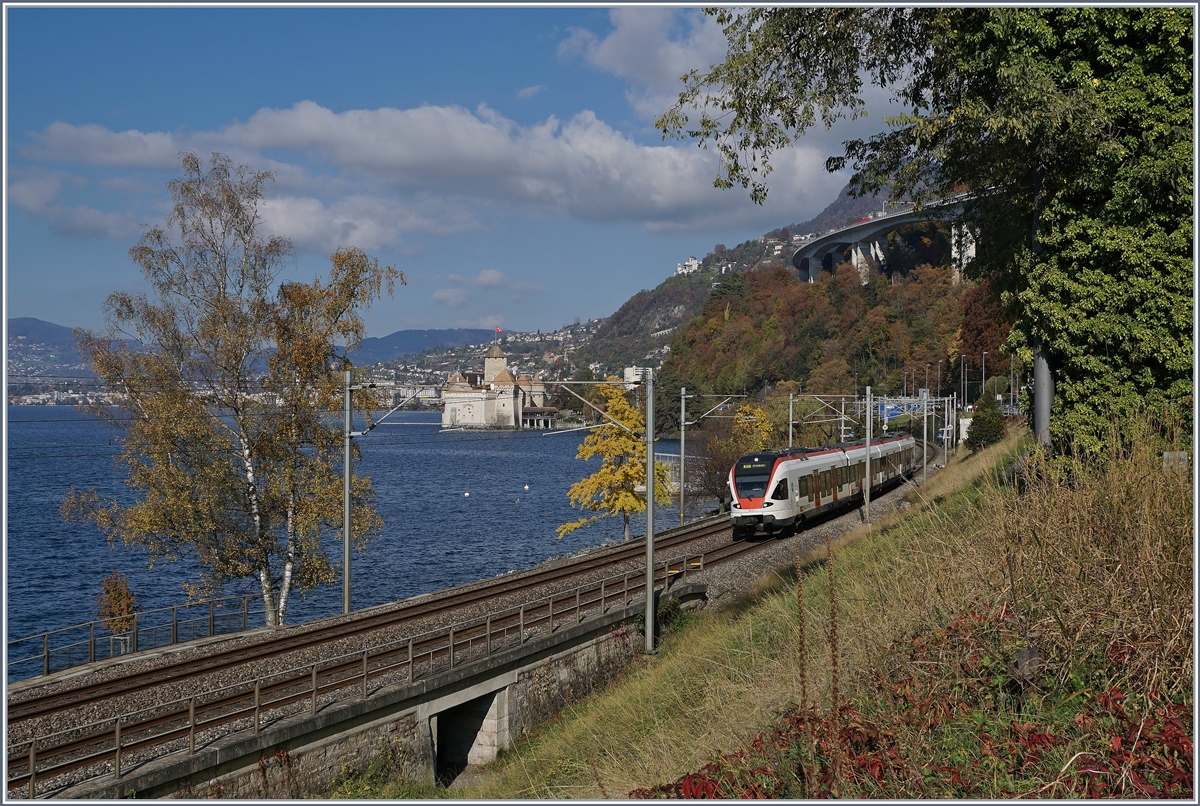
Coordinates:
[752,429]
[613,489]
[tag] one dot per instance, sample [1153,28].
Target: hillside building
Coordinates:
[495,399]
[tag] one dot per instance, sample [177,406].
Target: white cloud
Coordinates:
[366,176]
[38,196]
[528,92]
[95,145]
[367,222]
[490,278]
[651,48]
[451,297]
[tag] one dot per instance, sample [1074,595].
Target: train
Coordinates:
[776,492]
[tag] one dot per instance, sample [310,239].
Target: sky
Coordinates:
[504,159]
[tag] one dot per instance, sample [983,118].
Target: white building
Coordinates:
[496,399]
[691,266]
[635,375]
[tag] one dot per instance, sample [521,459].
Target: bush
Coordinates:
[987,427]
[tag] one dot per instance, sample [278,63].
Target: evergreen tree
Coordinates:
[987,426]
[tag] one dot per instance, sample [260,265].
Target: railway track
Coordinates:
[307,637]
[268,697]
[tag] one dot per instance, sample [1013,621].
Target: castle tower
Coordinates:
[494,363]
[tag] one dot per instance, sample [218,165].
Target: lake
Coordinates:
[434,535]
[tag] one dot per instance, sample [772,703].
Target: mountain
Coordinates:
[641,329]
[404,343]
[36,347]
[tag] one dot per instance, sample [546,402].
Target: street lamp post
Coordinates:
[983,376]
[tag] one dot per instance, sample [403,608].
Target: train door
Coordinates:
[816,487]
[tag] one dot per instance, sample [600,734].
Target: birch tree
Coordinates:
[228,396]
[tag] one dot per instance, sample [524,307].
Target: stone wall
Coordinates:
[544,689]
[394,731]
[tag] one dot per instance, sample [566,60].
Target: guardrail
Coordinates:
[91,641]
[134,737]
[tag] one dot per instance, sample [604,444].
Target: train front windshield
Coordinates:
[750,477]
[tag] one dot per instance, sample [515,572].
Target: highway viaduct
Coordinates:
[868,238]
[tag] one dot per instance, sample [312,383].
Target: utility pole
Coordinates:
[650,511]
[867,484]
[790,418]
[939,380]
[925,434]
[983,377]
[346,503]
[1043,394]
[682,444]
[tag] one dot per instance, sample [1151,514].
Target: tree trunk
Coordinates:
[626,514]
[264,572]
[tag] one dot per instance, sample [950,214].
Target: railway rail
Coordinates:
[126,737]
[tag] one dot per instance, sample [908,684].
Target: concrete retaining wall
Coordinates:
[420,732]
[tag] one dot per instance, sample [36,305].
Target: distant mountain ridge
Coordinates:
[404,343]
[37,347]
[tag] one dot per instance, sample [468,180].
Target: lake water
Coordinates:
[434,536]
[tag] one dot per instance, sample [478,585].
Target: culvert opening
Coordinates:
[466,735]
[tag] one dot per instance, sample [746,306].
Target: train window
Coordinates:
[750,477]
[781,491]
[825,483]
[805,487]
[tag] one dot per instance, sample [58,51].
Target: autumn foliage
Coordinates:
[613,488]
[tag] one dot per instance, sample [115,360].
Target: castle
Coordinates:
[496,399]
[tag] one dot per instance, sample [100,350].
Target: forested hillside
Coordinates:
[833,335]
[627,338]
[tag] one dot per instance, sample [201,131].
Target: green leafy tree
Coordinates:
[987,426]
[613,488]
[1070,128]
[228,401]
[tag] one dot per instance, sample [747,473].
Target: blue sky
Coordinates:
[504,158]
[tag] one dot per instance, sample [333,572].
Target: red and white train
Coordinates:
[778,491]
